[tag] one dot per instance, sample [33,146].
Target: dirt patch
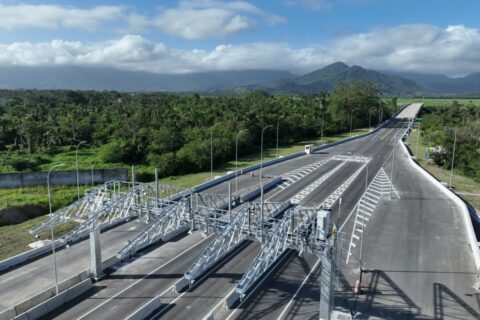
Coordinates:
[19,214]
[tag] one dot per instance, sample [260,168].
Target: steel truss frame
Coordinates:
[92,201]
[245,225]
[124,206]
[294,231]
[169,218]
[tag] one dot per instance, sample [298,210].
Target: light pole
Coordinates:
[236,157]
[351,118]
[278,123]
[261,176]
[76,164]
[418,137]
[453,156]
[370,118]
[91,172]
[380,111]
[320,101]
[364,224]
[51,226]
[211,149]
[393,161]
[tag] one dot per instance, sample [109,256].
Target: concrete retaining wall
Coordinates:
[146,310]
[55,302]
[65,288]
[67,177]
[27,255]
[38,252]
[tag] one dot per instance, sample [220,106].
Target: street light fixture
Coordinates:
[370,117]
[51,226]
[453,156]
[236,157]
[261,176]
[320,101]
[278,122]
[76,164]
[92,164]
[211,149]
[351,117]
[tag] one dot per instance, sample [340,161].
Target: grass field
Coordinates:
[464,186]
[446,102]
[15,239]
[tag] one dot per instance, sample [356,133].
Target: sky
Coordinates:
[423,36]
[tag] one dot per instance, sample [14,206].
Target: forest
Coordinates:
[173,132]
[459,123]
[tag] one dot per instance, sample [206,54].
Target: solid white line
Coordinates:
[139,280]
[298,290]
[259,283]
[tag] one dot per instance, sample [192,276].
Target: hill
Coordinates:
[328,77]
[441,84]
[83,78]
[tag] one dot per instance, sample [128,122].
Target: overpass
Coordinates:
[404,236]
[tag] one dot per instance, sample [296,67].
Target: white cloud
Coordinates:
[52,16]
[208,19]
[209,23]
[420,48]
[194,19]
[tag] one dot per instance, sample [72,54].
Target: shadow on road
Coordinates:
[382,298]
[448,305]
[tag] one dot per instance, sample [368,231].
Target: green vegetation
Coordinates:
[170,132]
[15,239]
[468,188]
[33,202]
[445,102]
[439,127]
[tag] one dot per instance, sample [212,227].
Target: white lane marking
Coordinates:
[310,188]
[273,267]
[298,290]
[143,278]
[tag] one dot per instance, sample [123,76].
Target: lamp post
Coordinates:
[393,162]
[236,157]
[418,137]
[261,176]
[76,164]
[351,118]
[320,102]
[211,149]
[51,226]
[278,123]
[370,118]
[453,156]
[379,111]
[92,164]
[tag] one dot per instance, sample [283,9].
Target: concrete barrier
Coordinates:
[232,299]
[56,301]
[27,255]
[22,310]
[65,177]
[38,252]
[146,310]
[181,284]
[267,186]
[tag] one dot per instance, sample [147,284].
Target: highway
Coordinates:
[22,282]
[416,259]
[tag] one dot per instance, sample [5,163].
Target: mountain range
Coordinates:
[85,78]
